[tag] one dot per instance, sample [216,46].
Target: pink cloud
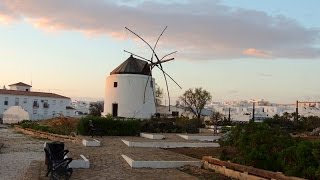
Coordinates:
[5,19]
[257,53]
[202,29]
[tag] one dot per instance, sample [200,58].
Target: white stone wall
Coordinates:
[129,95]
[20,88]
[56,105]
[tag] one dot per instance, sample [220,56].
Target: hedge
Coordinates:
[171,125]
[36,126]
[110,127]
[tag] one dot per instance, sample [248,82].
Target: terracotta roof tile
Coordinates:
[20,84]
[30,93]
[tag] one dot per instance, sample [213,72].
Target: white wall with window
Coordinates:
[39,105]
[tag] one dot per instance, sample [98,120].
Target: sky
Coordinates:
[235,49]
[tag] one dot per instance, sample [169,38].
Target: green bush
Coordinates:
[171,125]
[110,127]
[35,125]
[272,148]
[302,159]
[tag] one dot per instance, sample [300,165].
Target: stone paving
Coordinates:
[106,161]
[17,154]
[23,158]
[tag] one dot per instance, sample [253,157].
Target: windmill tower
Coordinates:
[129,89]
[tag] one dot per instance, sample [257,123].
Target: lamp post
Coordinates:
[253,108]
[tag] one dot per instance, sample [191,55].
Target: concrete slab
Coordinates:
[212,130]
[164,144]
[199,138]
[91,143]
[152,136]
[82,163]
[159,164]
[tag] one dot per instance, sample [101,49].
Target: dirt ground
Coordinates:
[203,173]
[198,152]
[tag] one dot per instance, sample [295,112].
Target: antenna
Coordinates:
[31,79]
[157,64]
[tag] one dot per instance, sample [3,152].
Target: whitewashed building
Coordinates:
[39,105]
[129,90]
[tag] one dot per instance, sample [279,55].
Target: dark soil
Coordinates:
[203,173]
[199,153]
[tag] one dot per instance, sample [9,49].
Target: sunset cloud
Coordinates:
[257,53]
[203,29]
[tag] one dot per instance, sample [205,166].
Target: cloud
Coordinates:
[257,53]
[264,75]
[204,29]
[233,91]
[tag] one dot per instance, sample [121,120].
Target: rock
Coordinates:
[73,134]
[315,132]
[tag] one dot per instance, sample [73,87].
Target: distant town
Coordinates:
[45,105]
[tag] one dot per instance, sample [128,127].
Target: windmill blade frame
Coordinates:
[158,60]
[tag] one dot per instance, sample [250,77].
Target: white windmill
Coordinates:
[129,89]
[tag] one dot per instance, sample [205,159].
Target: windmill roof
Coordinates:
[133,66]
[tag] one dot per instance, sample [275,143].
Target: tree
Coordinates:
[195,100]
[96,108]
[215,117]
[159,95]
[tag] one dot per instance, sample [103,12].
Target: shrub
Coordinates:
[258,144]
[110,127]
[34,125]
[62,127]
[172,125]
[271,148]
[301,159]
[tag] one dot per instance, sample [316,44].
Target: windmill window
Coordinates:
[115,84]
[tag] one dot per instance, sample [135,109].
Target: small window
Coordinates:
[25,100]
[35,103]
[16,103]
[6,101]
[115,84]
[27,89]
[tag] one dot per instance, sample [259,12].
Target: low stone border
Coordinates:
[239,171]
[152,136]
[199,138]
[168,144]
[159,164]
[46,135]
[82,163]
[218,130]
[91,143]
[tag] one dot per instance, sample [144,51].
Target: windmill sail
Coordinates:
[158,63]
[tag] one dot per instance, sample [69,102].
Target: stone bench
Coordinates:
[159,164]
[91,143]
[163,144]
[199,138]
[152,136]
[82,163]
